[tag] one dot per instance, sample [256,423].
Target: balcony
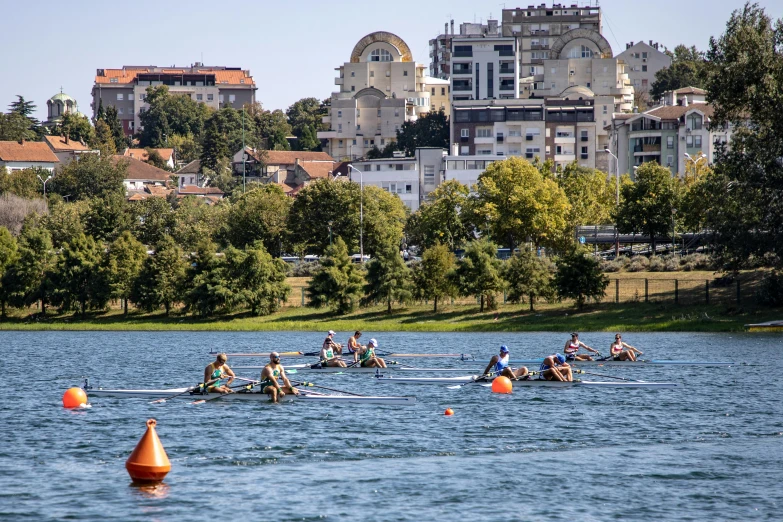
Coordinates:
[462,87]
[514,139]
[584,156]
[462,54]
[506,87]
[506,70]
[584,138]
[339,81]
[468,70]
[506,53]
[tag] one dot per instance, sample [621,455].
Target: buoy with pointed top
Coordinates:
[502,385]
[74,397]
[449,412]
[148,462]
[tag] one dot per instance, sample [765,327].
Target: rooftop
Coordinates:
[128,74]
[288,157]
[35,151]
[141,171]
[61,144]
[141,154]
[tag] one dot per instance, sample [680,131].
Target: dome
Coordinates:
[62,97]
[577,90]
[394,42]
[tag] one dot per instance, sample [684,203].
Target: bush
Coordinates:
[610,266]
[302,269]
[638,264]
[671,264]
[697,262]
[14,210]
[656,264]
[771,289]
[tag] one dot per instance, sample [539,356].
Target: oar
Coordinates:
[189,390]
[605,375]
[259,354]
[472,381]
[330,389]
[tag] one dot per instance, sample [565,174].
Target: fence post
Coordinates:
[646,287]
[707,291]
[616,290]
[738,291]
[303,296]
[676,291]
[504,297]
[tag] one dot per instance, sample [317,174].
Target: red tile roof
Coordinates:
[36,151]
[140,171]
[58,144]
[674,112]
[690,90]
[288,157]
[128,74]
[141,154]
[318,169]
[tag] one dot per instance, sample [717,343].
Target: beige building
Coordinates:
[380,88]
[440,46]
[643,61]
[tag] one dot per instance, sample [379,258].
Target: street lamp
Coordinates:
[361,212]
[617,198]
[44,181]
[330,223]
[674,233]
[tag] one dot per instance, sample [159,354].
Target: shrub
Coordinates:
[302,269]
[771,289]
[656,264]
[697,262]
[638,264]
[671,264]
[610,266]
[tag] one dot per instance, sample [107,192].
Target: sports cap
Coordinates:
[504,349]
[560,358]
[331,332]
[374,342]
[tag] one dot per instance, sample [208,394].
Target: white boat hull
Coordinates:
[638,363]
[524,383]
[305,396]
[355,369]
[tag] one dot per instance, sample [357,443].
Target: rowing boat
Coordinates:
[353,369]
[638,362]
[523,383]
[460,356]
[192,394]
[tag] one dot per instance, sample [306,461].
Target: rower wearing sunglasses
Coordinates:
[623,352]
[498,366]
[572,347]
[271,376]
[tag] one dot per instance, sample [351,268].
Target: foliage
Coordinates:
[153,219]
[518,203]
[591,194]
[771,289]
[112,120]
[29,279]
[75,127]
[76,279]
[528,275]
[305,118]
[155,159]
[90,176]
[338,284]
[429,130]
[273,127]
[318,206]
[65,222]
[440,220]
[209,288]
[8,256]
[104,139]
[432,275]
[14,210]
[23,183]
[688,69]
[478,273]
[107,217]
[579,277]
[215,146]
[384,219]
[160,279]
[170,114]
[195,220]
[259,215]
[16,127]
[188,149]
[387,279]
[122,265]
[20,116]
[259,278]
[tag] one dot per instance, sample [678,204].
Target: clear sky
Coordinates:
[290,47]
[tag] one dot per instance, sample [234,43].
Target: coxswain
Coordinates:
[621,351]
[572,347]
[329,342]
[367,357]
[328,358]
[271,376]
[354,346]
[215,372]
[555,368]
[498,366]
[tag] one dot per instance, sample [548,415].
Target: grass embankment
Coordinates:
[723,314]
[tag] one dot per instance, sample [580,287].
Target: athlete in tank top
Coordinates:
[270,379]
[498,365]
[618,352]
[215,371]
[572,347]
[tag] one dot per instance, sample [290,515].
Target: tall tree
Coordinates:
[259,215]
[196,220]
[160,281]
[209,287]
[527,275]
[122,263]
[107,217]
[274,129]
[170,114]
[89,176]
[688,69]
[441,219]
[590,193]
[8,256]
[387,279]
[215,146]
[154,220]
[258,278]
[649,204]
[75,127]
[430,130]
[23,183]
[319,206]
[118,135]
[65,222]
[30,277]
[338,283]
[76,279]
[579,277]
[15,127]
[26,109]
[478,273]
[432,275]
[104,139]
[305,117]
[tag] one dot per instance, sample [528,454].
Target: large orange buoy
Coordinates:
[502,385]
[148,462]
[449,412]
[74,397]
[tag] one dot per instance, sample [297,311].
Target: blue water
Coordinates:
[711,449]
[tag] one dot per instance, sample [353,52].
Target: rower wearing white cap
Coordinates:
[498,366]
[367,357]
[329,342]
[271,376]
[555,368]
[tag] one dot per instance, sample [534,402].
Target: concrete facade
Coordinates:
[484,68]
[644,60]
[440,46]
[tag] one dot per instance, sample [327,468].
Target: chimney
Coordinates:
[21,142]
[446,28]
[650,43]
[455,149]
[452,27]
[684,101]
[627,46]
[67,139]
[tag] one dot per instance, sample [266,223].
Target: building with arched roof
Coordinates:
[57,106]
[380,88]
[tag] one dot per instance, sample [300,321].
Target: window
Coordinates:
[670,142]
[484,152]
[142,97]
[429,174]
[697,142]
[358,113]
[689,141]
[340,142]
[353,74]
[113,80]
[383,141]
[232,98]
[580,52]
[199,97]
[379,113]
[120,110]
[210,97]
[644,68]
[464,133]
[354,142]
[220,98]
[483,133]
[358,127]
[604,110]
[433,91]
[443,91]
[408,189]
[353,88]
[339,127]
[380,55]
[372,74]
[396,113]
[464,150]
[644,55]
[669,160]
[366,142]
[339,114]
[120,96]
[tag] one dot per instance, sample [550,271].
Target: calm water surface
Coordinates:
[709,450]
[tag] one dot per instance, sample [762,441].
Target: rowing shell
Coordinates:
[638,362]
[460,356]
[525,383]
[304,396]
[354,369]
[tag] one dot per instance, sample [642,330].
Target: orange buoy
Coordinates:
[502,385]
[449,412]
[148,462]
[74,397]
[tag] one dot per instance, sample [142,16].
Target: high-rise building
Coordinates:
[126,88]
[644,61]
[484,68]
[440,46]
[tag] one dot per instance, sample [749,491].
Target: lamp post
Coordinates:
[674,234]
[330,223]
[616,199]
[695,161]
[44,181]
[244,152]
[361,212]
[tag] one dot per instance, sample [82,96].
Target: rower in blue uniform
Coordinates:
[555,368]
[498,366]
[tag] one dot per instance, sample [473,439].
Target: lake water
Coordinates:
[711,449]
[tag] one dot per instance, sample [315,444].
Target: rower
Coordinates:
[367,357]
[498,366]
[329,342]
[555,368]
[619,354]
[572,347]
[270,379]
[327,358]
[354,346]
[215,371]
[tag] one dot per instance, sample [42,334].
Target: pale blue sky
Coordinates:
[291,47]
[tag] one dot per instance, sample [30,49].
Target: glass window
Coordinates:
[464,133]
[232,98]
[210,97]
[483,133]
[220,98]
[199,97]
[697,141]
[380,55]
[353,73]
[405,73]
[120,96]
[372,74]
[670,142]
[689,141]
[339,114]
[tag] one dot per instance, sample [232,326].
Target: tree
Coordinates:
[432,275]
[319,206]
[338,283]
[518,203]
[75,127]
[430,130]
[746,208]
[579,277]
[688,69]
[104,139]
[387,279]
[649,204]
[274,129]
[23,183]
[440,220]
[155,159]
[15,127]
[170,114]
[187,148]
[65,222]
[478,273]
[122,265]
[90,176]
[14,211]
[259,215]
[153,218]
[107,217]
[259,279]
[209,288]
[384,219]
[30,278]
[160,279]
[591,194]
[527,275]
[76,279]
[113,122]
[8,256]
[215,146]
[305,117]
[26,109]
[196,220]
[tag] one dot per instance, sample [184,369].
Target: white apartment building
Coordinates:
[440,46]
[484,68]
[381,87]
[643,62]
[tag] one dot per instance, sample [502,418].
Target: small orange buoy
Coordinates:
[502,385]
[148,462]
[74,397]
[449,412]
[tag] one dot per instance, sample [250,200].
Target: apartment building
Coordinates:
[484,68]
[126,88]
[381,87]
[440,46]
[643,61]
